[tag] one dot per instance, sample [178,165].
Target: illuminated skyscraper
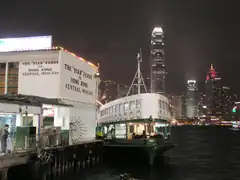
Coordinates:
[213,88]
[158,69]
[191,99]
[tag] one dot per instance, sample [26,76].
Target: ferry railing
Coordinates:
[39,141]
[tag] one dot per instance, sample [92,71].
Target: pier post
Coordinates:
[151,155]
[3,174]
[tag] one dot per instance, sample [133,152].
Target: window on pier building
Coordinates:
[2,78]
[12,85]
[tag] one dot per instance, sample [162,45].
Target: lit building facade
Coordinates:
[227,102]
[177,107]
[55,74]
[157,64]
[213,92]
[122,90]
[109,91]
[201,105]
[191,99]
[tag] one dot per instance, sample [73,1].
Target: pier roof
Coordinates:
[31,100]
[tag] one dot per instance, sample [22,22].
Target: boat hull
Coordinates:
[136,151]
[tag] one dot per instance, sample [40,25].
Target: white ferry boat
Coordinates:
[136,122]
[133,115]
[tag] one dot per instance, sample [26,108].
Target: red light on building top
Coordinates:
[211,73]
[207,78]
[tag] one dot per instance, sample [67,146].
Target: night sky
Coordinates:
[197,33]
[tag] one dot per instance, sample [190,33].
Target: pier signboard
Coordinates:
[25,43]
[39,78]
[77,79]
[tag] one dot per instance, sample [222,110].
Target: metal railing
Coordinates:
[38,141]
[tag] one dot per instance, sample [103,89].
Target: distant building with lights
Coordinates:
[213,92]
[191,99]
[227,102]
[122,90]
[201,105]
[177,106]
[109,91]
[157,63]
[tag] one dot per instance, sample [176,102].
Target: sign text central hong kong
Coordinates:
[38,68]
[78,84]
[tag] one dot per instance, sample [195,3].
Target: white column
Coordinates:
[19,119]
[6,79]
[57,118]
[37,122]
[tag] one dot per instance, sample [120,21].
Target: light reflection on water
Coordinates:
[202,153]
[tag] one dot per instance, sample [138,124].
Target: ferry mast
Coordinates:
[138,80]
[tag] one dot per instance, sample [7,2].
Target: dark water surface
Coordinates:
[202,153]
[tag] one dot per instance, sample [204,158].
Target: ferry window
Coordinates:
[117,108]
[160,104]
[138,103]
[126,106]
[120,108]
[168,108]
[113,109]
[163,105]
[132,105]
[131,128]
[110,110]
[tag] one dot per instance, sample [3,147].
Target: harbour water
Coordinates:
[202,152]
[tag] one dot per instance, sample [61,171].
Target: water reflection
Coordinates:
[202,153]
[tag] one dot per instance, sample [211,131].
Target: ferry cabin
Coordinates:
[132,115]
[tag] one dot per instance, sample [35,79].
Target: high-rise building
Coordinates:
[177,107]
[158,69]
[227,102]
[109,91]
[213,92]
[122,90]
[191,99]
[201,105]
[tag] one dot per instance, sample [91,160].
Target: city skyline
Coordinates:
[113,36]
